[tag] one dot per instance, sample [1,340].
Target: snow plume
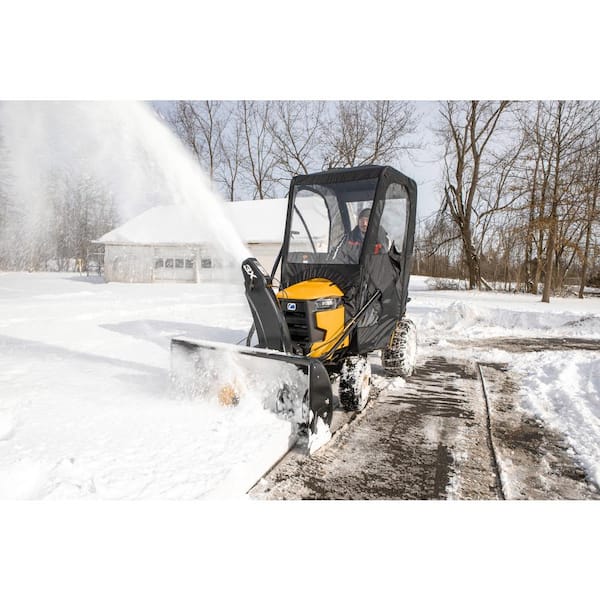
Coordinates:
[123,146]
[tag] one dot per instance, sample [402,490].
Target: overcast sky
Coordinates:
[425,166]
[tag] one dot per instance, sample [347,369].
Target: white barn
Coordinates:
[166,243]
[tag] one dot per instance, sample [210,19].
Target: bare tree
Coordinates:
[252,148]
[560,134]
[366,132]
[591,207]
[183,120]
[260,159]
[82,210]
[535,181]
[436,247]
[232,151]
[297,131]
[467,128]
[554,172]
[200,125]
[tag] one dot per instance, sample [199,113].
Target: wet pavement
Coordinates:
[439,437]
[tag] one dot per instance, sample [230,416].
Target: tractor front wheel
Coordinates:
[400,356]
[355,383]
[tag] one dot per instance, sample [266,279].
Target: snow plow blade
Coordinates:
[296,388]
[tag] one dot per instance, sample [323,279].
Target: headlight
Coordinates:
[327,303]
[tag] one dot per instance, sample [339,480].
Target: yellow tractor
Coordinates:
[344,272]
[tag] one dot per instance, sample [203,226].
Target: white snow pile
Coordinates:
[320,437]
[491,314]
[563,389]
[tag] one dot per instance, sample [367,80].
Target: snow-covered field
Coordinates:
[86,409]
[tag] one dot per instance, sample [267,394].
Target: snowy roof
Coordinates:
[256,221]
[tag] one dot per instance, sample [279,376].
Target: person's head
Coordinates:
[363,219]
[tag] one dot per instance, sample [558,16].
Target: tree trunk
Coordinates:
[530,283]
[549,264]
[588,238]
[553,213]
[472,259]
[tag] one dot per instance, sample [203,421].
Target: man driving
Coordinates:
[348,251]
[357,235]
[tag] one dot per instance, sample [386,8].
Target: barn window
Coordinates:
[189,263]
[169,263]
[206,263]
[159,263]
[179,263]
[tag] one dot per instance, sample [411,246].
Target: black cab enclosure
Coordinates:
[323,239]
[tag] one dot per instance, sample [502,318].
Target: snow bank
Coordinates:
[474,320]
[563,389]
[492,314]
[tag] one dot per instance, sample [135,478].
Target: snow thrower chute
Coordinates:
[345,268]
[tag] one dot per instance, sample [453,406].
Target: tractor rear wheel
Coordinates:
[400,356]
[355,383]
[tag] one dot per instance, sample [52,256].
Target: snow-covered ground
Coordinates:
[563,389]
[86,409]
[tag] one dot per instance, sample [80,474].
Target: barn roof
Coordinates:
[256,221]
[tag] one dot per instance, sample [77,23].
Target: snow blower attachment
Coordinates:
[295,387]
[345,268]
